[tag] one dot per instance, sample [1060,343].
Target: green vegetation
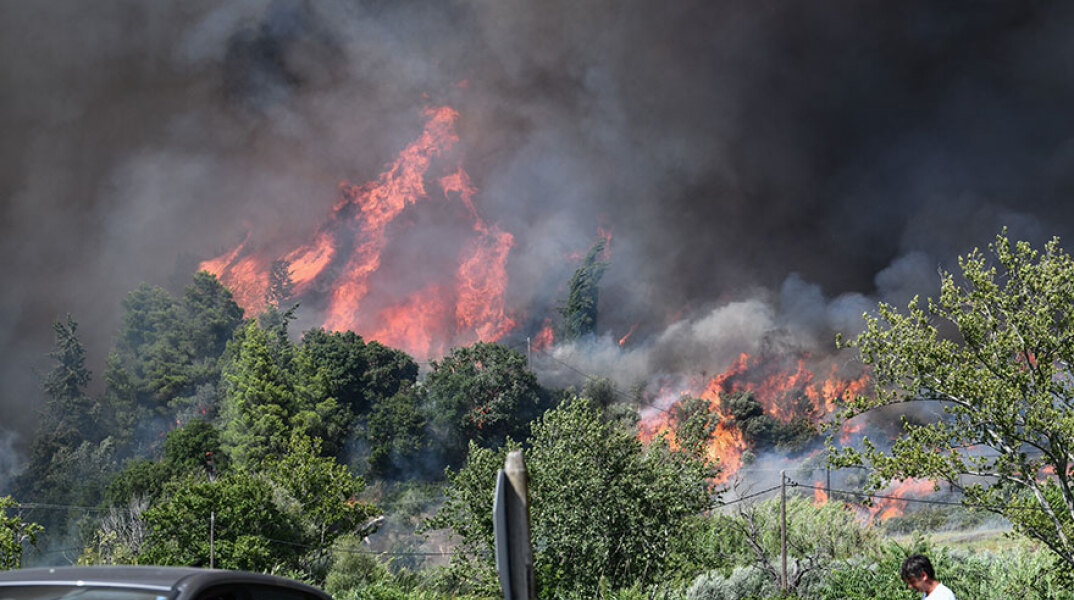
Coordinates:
[220,439]
[484,394]
[1004,381]
[14,534]
[621,520]
[580,313]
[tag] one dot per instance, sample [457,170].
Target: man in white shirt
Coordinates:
[917,572]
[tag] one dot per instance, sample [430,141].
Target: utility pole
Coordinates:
[783,530]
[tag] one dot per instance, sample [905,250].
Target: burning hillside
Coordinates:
[340,265]
[758,402]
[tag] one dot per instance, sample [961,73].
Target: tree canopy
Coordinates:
[618,522]
[995,353]
[483,393]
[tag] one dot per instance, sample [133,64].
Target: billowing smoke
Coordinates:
[766,168]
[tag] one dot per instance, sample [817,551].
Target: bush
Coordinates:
[1020,573]
[934,519]
[744,583]
[351,571]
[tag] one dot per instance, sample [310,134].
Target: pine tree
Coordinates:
[581,310]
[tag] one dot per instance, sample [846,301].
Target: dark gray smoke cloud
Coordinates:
[790,160]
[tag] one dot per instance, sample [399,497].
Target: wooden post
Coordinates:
[783,530]
[511,528]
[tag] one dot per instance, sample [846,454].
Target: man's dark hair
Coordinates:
[915,565]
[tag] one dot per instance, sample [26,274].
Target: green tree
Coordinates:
[280,288]
[212,313]
[68,459]
[167,356]
[341,357]
[260,400]
[694,422]
[389,371]
[324,495]
[14,534]
[762,430]
[194,446]
[482,393]
[396,432]
[147,346]
[239,511]
[70,409]
[605,509]
[995,352]
[283,517]
[193,449]
[580,314]
[358,374]
[139,479]
[271,392]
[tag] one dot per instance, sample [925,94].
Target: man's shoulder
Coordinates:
[941,592]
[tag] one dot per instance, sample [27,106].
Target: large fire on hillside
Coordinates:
[340,268]
[784,387]
[337,266]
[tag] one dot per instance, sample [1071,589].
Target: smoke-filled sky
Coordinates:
[760,164]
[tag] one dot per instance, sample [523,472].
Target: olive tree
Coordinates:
[996,352]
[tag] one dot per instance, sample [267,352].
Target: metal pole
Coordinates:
[828,482]
[529,352]
[212,534]
[518,516]
[783,529]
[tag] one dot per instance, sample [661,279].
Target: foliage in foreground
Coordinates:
[14,533]
[619,521]
[281,518]
[749,536]
[1020,573]
[1004,381]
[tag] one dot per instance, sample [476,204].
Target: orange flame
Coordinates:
[305,263]
[545,337]
[820,497]
[410,324]
[482,274]
[379,203]
[725,446]
[780,389]
[346,252]
[885,508]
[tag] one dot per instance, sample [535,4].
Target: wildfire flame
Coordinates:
[346,253]
[725,446]
[781,389]
[820,496]
[545,337]
[885,508]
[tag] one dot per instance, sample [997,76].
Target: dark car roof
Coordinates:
[188,580]
[157,577]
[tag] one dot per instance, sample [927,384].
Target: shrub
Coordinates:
[745,583]
[1021,573]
